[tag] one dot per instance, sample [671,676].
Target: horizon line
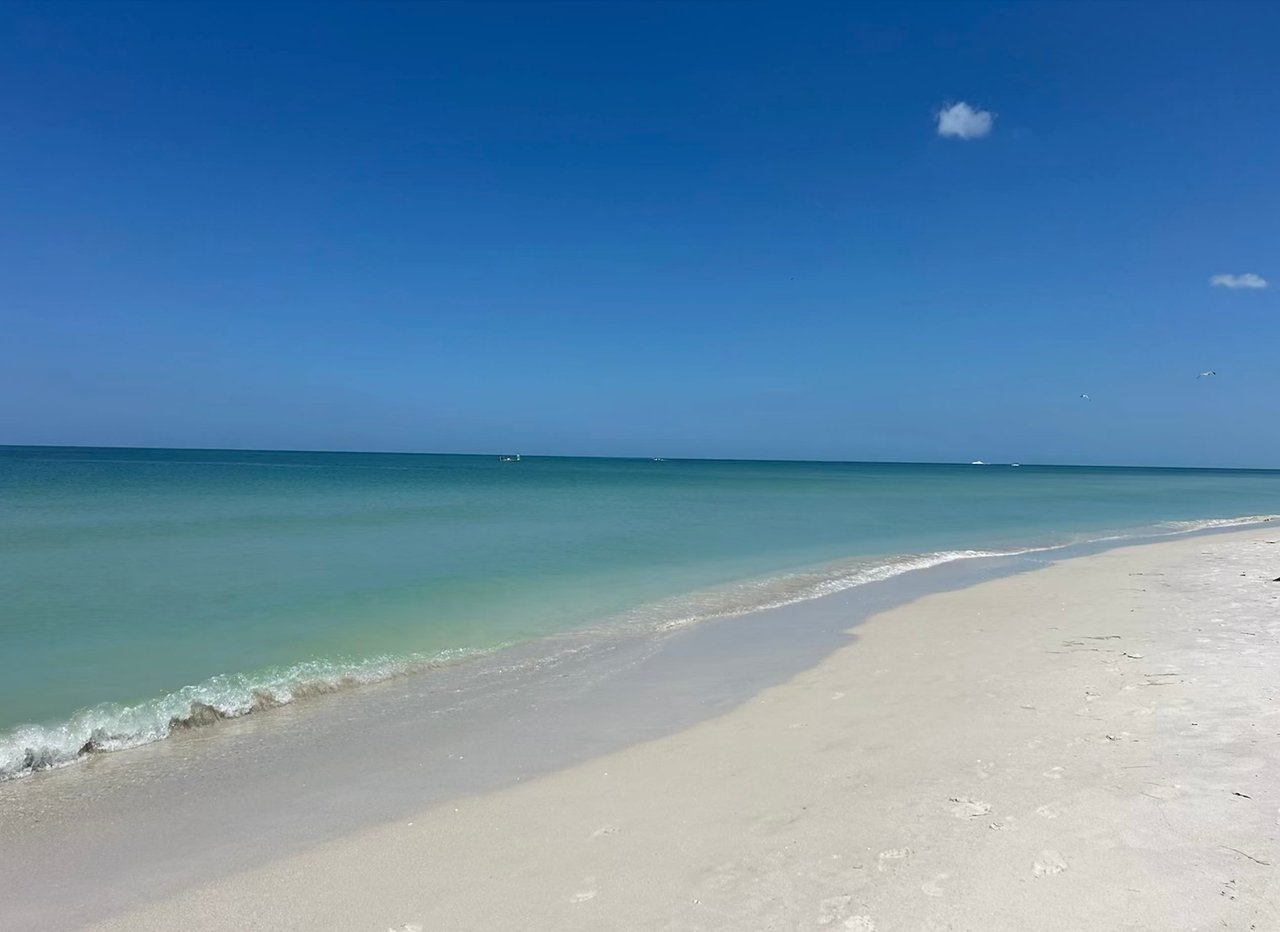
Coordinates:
[645,457]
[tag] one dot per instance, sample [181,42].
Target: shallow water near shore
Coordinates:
[147,591]
[118,829]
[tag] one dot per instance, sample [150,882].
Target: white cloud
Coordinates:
[1247,280]
[964,122]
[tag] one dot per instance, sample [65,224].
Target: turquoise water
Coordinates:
[146,586]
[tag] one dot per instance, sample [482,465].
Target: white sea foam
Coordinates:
[800,586]
[1182,527]
[115,727]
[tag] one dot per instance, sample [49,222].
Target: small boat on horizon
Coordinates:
[509,458]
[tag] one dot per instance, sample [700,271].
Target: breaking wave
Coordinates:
[116,727]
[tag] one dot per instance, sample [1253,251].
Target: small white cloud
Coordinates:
[1247,280]
[964,122]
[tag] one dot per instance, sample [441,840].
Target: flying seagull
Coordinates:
[1206,374]
[1086,398]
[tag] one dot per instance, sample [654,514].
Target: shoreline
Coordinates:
[832,611]
[112,727]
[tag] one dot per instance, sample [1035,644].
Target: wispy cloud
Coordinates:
[964,122]
[1247,280]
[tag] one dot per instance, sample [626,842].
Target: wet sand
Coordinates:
[1090,745]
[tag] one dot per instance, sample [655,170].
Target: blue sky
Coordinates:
[652,229]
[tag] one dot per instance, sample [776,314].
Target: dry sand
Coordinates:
[1092,745]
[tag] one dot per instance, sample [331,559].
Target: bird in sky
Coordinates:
[1086,398]
[1206,374]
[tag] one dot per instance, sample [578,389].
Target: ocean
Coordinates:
[145,590]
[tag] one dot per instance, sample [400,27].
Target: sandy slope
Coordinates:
[1090,746]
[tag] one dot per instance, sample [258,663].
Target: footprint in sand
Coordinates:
[605,830]
[892,856]
[1047,812]
[934,886]
[1161,792]
[1053,773]
[1049,863]
[832,908]
[589,893]
[407,927]
[860,924]
[966,808]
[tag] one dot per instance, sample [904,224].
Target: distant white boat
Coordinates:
[1015,464]
[977,463]
[509,458]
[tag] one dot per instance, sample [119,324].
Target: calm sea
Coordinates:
[143,588]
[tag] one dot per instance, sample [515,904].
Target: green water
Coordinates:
[127,575]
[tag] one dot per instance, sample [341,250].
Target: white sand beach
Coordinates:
[1092,745]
